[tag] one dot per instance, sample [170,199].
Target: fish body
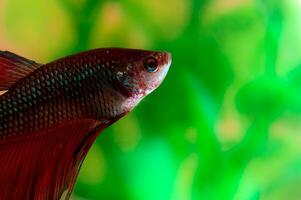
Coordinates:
[51,114]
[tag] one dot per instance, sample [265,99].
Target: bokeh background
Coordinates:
[225,124]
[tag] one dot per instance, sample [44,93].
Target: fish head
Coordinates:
[140,72]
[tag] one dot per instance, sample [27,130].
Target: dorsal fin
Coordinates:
[13,68]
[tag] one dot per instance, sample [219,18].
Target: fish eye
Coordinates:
[151,64]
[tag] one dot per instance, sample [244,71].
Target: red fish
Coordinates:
[50,114]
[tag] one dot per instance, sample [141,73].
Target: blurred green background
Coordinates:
[225,124]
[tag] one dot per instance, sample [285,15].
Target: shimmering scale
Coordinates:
[40,89]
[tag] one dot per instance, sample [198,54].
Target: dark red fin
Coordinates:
[47,164]
[13,68]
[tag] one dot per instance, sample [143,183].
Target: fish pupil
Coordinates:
[151,64]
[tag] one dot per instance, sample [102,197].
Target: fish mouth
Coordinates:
[167,58]
[160,77]
[164,69]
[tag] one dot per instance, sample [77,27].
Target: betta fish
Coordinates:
[50,114]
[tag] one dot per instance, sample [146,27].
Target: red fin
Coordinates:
[13,68]
[44,166]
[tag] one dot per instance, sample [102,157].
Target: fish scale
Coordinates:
[49,88]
